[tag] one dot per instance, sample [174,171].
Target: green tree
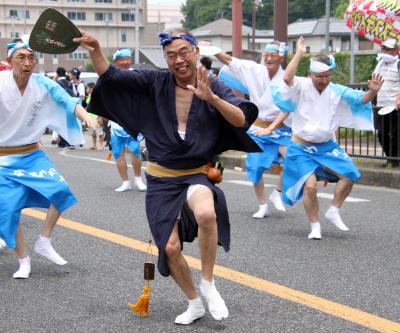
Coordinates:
[199,12]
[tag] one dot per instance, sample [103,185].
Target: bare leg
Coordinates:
[122,167]
[342,190]
[43,244]
[202,204]
[182,275]
[137,169]
[23,259]
[311,206]
[123,172]
[20,249]
[94,141]
[263,206]
[101,142]
[51,220]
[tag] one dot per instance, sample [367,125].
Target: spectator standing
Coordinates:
[388,125]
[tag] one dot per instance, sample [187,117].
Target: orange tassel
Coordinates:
[109,155]
[326,183]
[142,305]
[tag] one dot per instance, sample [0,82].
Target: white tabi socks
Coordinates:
[24,268]
[315,231]
[43,247]
[276,199]
[139,184]
[262,212]
[332,214]
[194,311]
[2,244]
[216,305]
[126,186]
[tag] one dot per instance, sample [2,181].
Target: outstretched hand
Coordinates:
[375,83]
[264,131]
[87,39]
[202,89]
[301,46]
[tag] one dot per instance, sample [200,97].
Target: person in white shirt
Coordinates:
[318,108]
[389,95]
[257,78]
[120,139]
[29,103]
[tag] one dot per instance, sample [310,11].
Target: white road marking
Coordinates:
[244,182]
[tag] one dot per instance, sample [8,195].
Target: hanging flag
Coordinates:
[376,20]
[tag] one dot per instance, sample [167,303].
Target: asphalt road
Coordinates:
[354,274]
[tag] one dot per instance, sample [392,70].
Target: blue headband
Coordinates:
[12,47]
[122,53]
[165,38]
[273,47]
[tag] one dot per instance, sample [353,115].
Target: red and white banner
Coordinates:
[377,20]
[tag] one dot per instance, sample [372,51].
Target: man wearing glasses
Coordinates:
[186,118]
[29,103]
[319,107]
[387,125]
[257,79]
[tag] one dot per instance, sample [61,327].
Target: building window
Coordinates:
[123,37]
[107,17]
[103,1]
[294,44]
[15,34]
[365,44]
[308,49]
[78,16]
[345,41]
[126,17]
[19,14]
[75,0]
[128,1]
[78,56]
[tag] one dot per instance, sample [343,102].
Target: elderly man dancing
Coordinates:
[319,107]
[257,79]
[28,104]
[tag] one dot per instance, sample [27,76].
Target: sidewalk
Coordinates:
[372,171]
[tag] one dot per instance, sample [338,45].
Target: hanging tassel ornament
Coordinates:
[141,307]
[109,155]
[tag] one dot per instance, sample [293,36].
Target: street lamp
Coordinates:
[255,4]
[137,32]
[106,21]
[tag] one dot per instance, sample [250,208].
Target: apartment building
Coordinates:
[113,22]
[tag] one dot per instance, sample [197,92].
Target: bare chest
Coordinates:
[183,101]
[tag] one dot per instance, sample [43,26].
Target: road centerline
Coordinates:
[338,310]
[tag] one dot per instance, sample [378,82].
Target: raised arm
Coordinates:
[278,121]
[294,63]
[224,58]
[373,87]
[99,60]
[231,113]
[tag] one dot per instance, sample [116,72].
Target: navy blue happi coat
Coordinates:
[144,101]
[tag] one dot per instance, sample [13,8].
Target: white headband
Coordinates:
[319,67]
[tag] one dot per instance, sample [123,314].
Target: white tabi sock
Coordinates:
[315,231]
[332,214]
[43,247]
[126,186]
[262,212]
[24,268]
[3,244]
[276,199]
[194,311]
[216,305]
[139,184]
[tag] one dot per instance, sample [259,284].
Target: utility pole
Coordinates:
[237,28]
[327,18]
[254,5]
[137,32]
[281,22]
[25,17]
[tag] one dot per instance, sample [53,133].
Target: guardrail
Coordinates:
[371,144]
